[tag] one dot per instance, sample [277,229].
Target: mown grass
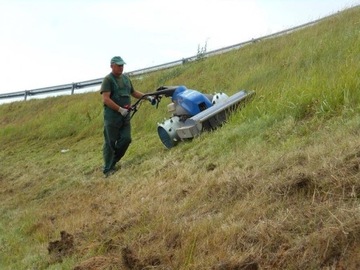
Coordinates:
[277,187]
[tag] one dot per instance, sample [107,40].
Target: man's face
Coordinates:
[117,70]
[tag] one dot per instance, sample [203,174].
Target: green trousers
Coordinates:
[117,138]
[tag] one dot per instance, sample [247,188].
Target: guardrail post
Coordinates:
[73,88]
[26,94]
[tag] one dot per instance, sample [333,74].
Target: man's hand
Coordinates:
[124,112]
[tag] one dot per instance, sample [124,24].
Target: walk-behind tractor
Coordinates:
[193,112]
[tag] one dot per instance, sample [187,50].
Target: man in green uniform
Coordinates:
[116,90]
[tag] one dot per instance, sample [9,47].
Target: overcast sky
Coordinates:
[52,42]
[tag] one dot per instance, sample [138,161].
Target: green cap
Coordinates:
[117,60]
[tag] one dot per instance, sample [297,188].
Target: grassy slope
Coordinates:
[276,187]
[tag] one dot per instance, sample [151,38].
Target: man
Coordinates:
[116,90]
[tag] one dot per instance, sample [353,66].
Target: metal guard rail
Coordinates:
[84,84]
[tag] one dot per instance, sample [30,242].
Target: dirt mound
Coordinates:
[61,248]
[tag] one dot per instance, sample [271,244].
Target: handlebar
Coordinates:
[166,91]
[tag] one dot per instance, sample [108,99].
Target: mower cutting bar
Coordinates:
[193,125]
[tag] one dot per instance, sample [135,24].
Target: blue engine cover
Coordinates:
[191,101]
